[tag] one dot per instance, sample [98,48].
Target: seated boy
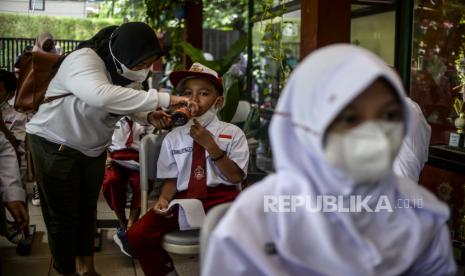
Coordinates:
[13,123]
[12,193]
[204,159]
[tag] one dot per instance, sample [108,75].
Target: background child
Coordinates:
[205,159]
[122,170]
[337,129]
[13,124]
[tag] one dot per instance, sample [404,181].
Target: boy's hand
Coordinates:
[159,119]
[161,208]
[201,135]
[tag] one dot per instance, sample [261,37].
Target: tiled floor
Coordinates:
[109,261]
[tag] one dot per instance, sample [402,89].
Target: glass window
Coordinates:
[37,5]
[276,48]
[374,30]
[438,63]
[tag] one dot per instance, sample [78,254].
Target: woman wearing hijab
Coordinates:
[337,128]
[414,151]
[68,135]
[45,43]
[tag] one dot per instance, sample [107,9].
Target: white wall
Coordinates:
[54,8]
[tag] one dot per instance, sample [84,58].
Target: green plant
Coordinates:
[231,83]
[30,26]
[222,65]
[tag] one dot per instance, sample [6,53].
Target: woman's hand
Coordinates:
[177,100]
[159,119]
[161,208]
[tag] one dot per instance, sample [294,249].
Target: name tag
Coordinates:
[181,151]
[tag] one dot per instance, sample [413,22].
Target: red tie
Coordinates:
[129,140]
[197,187]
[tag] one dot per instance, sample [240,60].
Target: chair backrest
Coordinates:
[210,222]
[149,151]
[242,112]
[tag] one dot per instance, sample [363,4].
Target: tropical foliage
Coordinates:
[29,26]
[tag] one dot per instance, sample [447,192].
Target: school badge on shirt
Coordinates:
[199,173]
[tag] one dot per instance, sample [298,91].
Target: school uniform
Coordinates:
[179,158]
[16,123]
[284,241]
[68,138]
[11,188]
[415,147]
[124,148]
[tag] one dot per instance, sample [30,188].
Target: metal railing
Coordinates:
[215,42]
[12,48]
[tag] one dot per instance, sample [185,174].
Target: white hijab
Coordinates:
[337,243]
[414,151]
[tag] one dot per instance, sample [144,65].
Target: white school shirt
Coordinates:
[14,121]
[122,132]
[10,180]
[85,120]
[414,151]
[176,153]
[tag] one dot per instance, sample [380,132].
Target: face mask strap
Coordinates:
[118,64]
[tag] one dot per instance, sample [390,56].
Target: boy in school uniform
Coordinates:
[121,169]
[12,122]
[204,159]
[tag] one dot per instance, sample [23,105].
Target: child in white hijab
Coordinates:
[338,126]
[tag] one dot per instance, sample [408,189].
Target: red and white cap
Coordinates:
[200,71]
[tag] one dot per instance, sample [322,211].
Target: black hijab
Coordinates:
[131,43]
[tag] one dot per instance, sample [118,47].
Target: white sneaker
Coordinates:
[35,199]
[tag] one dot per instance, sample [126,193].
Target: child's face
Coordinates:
[203,93]
[3,93]
[378,102]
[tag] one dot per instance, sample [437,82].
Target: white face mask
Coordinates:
[137,76]
[206,117]
[366,152]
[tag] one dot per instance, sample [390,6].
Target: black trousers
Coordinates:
[69,184]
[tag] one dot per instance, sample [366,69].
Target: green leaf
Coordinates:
[252,123]
[232,54]
[231,100]
[220,66]
[196,55]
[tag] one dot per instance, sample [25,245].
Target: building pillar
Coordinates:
[323,22]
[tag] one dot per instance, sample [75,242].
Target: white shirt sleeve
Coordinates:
[140,118]
[166,165]
[239,151]
[86,77]
[10,179]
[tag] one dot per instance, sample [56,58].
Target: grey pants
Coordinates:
[69,184]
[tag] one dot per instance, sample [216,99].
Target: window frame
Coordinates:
[33,8]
